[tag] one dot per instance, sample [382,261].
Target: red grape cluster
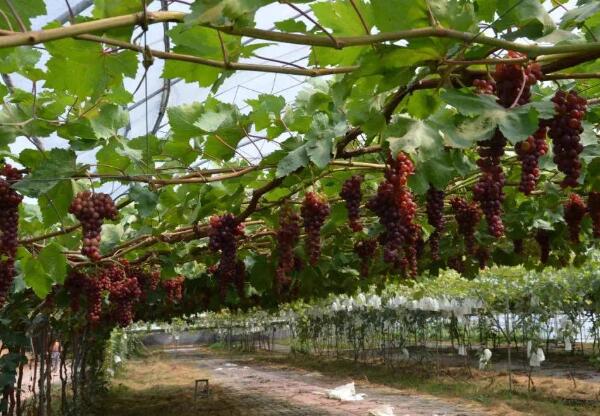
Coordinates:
[482,255]
[124,291]
[9,224]
[575,209]
[396,209]
[484,86]
[287,238]
[352,194]
[528,152]
[467,216]
[224,233]
[435,218]
[543,239]
[314,211]
[565,129]
[488,191]
[95,285]
[514,81]
[518,246]
[457,263]
[365,249]
[594,210]
[91,209]
[147,279]
[75,284]
[174,289]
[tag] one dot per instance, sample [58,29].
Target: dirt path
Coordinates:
[250,389]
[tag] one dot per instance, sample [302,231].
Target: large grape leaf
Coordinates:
[26,10]
[84,69]
[57,165]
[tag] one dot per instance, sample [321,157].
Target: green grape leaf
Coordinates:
[294,160]
[54,262]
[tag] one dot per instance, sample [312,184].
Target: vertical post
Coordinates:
[507,324]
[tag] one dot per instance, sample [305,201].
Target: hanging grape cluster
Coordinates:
[288,235]
[575,209]
[95,284]
[565,129]
[123,292]
[9,224]
[396,209]
[489,190]
[529,152]
[174,289]
[482,254]
[314,211]
[352,195]
[542,237]
[518,246]
[223,234]
[75,284]
[91,209]
[365,249]
[435,218]
[594,210]
[514,81]
[467,215]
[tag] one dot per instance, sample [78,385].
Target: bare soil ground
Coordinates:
[164,385]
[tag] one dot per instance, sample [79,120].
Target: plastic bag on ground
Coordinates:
[385,410]
[537,357]
[485,358]
[345,393]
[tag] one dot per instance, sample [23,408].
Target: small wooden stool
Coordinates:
[204,389]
